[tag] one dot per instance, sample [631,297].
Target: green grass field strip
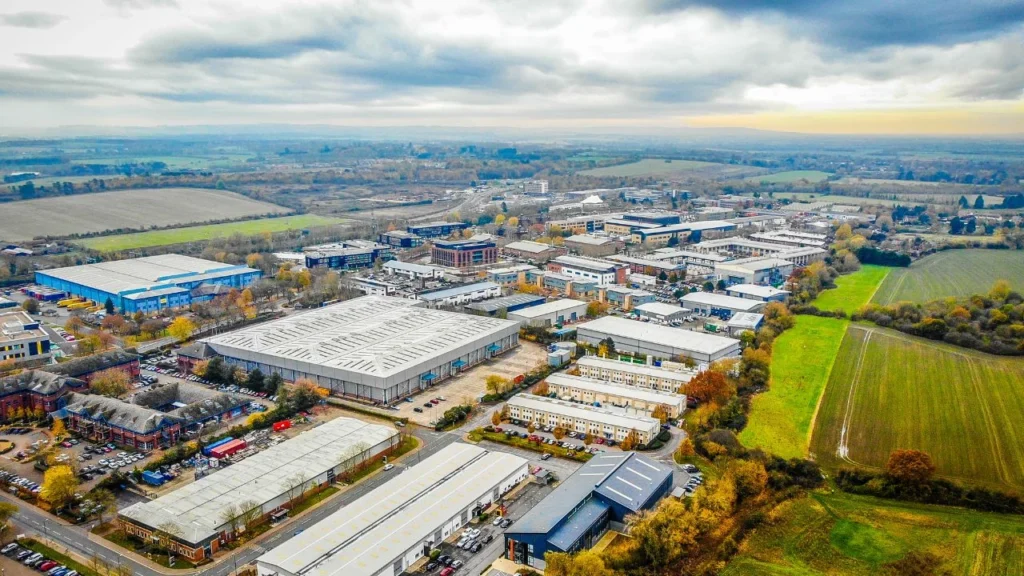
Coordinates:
[206,232]
[648,167]
[781,419]
[839,533]
[889,390]
[952,273]
[853,290]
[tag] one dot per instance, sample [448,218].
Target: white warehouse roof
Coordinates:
[660,309]
[610,416]
[364,339]
[722,301]
[756,290]
[141,273]
[411,267]
[612,389]
[368,535]
[197,509]
[663,335]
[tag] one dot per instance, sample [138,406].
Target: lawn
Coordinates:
[790,177]
[952,273]
[781,418]
[840,533]
[852,290]
[199,233]
[650,167]
[889,391]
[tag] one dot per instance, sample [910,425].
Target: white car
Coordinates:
[388,467]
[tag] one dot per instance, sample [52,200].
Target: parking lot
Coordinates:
[572,440]
[471,384]
[27,562]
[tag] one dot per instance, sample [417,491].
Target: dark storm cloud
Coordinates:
[862,24]
[40,20]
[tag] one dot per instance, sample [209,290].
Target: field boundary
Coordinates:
[821,395]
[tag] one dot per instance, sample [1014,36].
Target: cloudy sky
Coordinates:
[841,66]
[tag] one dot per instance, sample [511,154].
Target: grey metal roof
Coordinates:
[567,534]
[37,381]
[456,291]
[94,363]
[200,403]
[626,478]
[118,413]
[495,304]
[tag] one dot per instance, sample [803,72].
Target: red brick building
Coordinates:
[35,390]
[85,368]
[463,253]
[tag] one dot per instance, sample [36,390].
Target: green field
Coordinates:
[791,176]
[173,162]
[839,533]
[781,418]
[952,273]
[650,167]
[889,391]
[852,290]
[198,233]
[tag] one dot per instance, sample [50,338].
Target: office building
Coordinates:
[436,229]
[645,338]
[347,255]
[22,339]
[632,374]
[535,251]
[606,422]
[602,393]
[463,253]
[602,272]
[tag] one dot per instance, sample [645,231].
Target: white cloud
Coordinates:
[463,62]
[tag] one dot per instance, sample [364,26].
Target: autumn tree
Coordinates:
[708,386]
[1000,290]
[112,382]
[661,412]
[106,501]
[7,510]
[74,324]
[181,328]
[684,450]
[558,433]
[59,430]
[588,439]
[59,486]
[496,384]
[596,308]
[496,418]
[542,388]
[750,476]
[199,368]
[910,466]
[31,306]
[531,428]
[585,563]
[631,441]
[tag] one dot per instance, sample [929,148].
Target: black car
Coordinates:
[488,539]
[428,405]
[475,548]
[445,559]
[418,409]
[431,566]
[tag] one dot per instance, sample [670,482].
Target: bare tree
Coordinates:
[229,515]
[251,513]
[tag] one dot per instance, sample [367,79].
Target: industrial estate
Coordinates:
[440,360]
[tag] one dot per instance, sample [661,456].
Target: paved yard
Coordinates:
[469,386]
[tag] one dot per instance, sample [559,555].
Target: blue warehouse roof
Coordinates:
[628,479]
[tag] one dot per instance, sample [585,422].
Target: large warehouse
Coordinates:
[590,391]
[657,341]
[598,496]
[390,528]
[375,347]
[197,513]
[551,313]
[146,284]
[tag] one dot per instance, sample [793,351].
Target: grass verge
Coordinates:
[500,437]
[56,556]
[313,500]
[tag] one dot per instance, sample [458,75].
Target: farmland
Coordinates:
[841,533]
[952,273]
[853,290]
[791,176]
[888,391]
[651,167]
[132,209]
[173,162]
[781,418]
[199,233]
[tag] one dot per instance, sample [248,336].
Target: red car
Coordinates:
[599,440]
[45,566]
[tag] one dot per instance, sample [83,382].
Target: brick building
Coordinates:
[35,390]
[87,367]
[463,253]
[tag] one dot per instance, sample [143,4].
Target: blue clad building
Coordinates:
[436,229]
[147,284]
[599,496]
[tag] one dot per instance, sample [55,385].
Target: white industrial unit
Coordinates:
[375,347]
[587,390]
[630,374]
[602,422]
[550,313]
[658,341]
[393,526]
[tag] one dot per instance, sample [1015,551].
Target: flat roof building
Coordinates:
[146,284]
[591,391]
[603,272]
[650,267]
[744,321]
[508,303]
[630,374]
[658,341]
[773,271]
[390,528]
[347,255]
[664,234]
[757,292]
[662,312]
[270,479]
[610,423]
[711,304]
[597,497]
[399,239]
[536,251]
[436,229]
[550,313]
[463,253]
[373,347]
[411,270]
[22,339]
[590,245]
[510,275]
[458,295]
